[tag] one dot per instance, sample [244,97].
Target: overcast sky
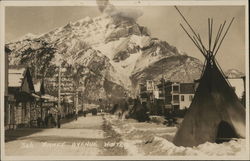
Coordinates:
[162,21]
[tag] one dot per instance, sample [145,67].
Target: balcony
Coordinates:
[175,92]
[175,102]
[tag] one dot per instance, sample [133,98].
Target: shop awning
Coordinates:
[35,95]
[49,97]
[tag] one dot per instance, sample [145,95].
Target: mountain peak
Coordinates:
[108,51]
[27,36]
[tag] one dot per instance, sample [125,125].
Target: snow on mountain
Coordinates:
[27,36]
[234,73]
[109,53]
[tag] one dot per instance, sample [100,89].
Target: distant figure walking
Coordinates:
[46,120]
[59,121]
[119,115]
[76,115]
[40,122]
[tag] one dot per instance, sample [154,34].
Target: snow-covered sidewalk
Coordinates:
[141,139]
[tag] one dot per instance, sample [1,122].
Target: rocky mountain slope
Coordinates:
[109,55]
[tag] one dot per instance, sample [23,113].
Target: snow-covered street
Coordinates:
[106,135]
[85,136]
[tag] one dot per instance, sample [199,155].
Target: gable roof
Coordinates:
[187,88]
[20,77]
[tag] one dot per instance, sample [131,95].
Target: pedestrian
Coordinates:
[38,122]
[76,114]
[50,120]
[59,120]
[119,115]
[54,120]
[46,121]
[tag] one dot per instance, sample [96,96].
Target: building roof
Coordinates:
[20,78]
[39,86]
[187,88]
[16,76]
[68,99]
[49,97]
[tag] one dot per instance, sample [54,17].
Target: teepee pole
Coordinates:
[216,39]
[186,22]
[218,36]
[209,34]
[197,45]
[204,49]
[210,28]
[196,41]
[224,36]
[201,48]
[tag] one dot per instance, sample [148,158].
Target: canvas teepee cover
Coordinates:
[215,113]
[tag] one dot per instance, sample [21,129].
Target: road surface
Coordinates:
[86,136]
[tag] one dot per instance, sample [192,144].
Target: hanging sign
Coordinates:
[48,104]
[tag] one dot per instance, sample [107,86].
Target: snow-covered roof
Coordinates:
[68,99]
[37,85]
[15,77]
[49,97]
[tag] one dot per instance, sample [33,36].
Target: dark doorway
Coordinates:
[225,133]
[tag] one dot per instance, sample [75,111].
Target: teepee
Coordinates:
[215,114]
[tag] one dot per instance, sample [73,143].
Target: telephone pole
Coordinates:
[163,86]
[59,88]
[163,90]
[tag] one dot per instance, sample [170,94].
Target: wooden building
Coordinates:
[21,98]
[6,80]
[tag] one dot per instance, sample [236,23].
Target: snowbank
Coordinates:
[156,139]
[161,146]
